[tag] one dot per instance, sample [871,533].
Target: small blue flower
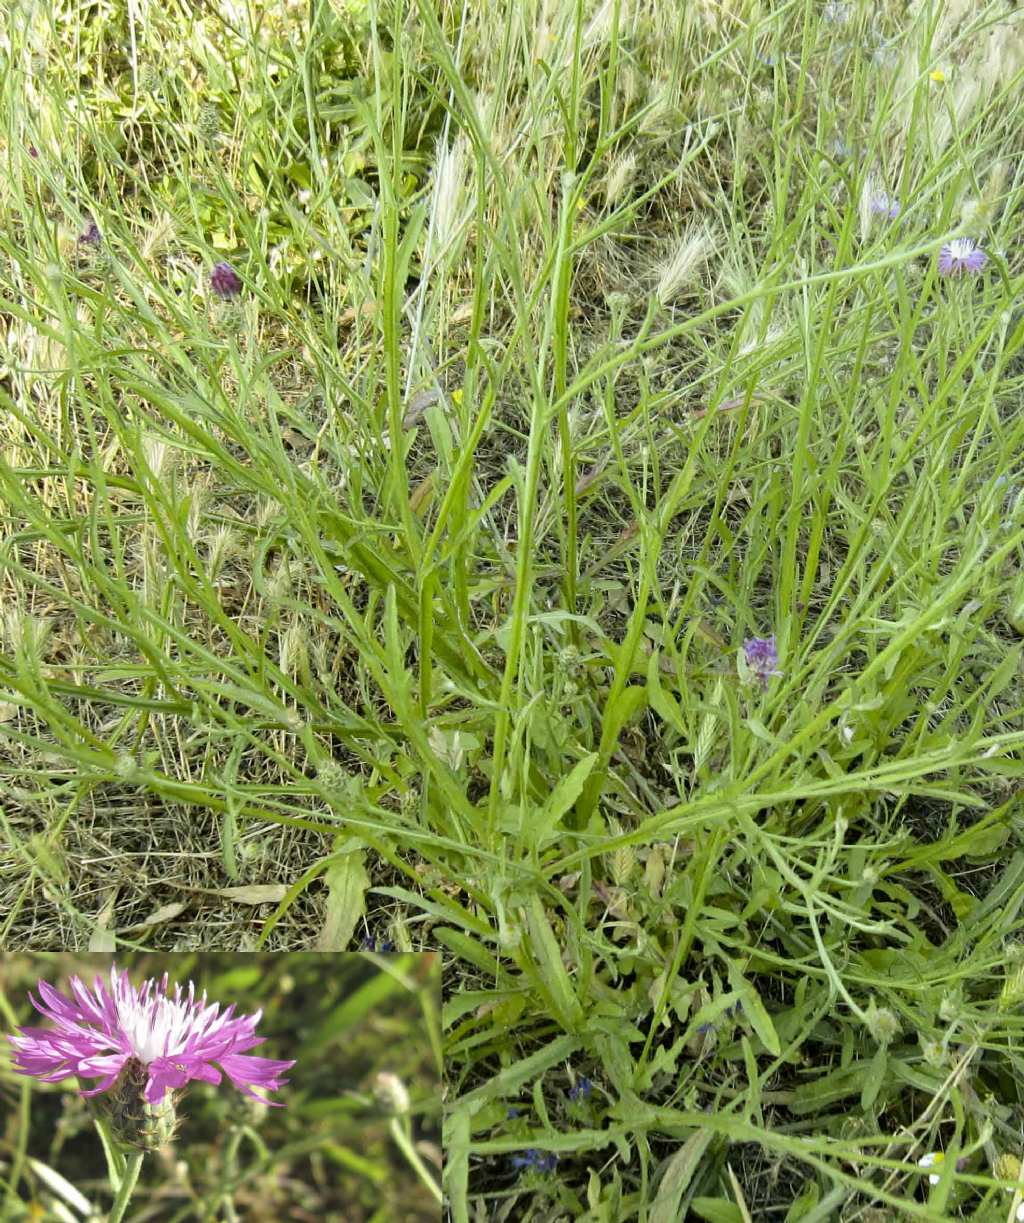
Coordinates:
[513,1113]
[543,1162]
[582,1088]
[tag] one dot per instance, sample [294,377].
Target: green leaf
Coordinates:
[562,799]
[456,1164]
[347,882]
[676,1178]
[804,1204]
[754,1009]
[545,956]
[874,1077]
[663,703]
[718,1210]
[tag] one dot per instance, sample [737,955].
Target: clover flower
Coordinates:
[225,281]
[144,1035]
[961,255]
[762,657]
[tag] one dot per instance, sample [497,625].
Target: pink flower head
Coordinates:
[961,255]
[762,657]
[225,280]
[176,1039]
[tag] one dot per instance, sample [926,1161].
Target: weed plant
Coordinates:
[586,540]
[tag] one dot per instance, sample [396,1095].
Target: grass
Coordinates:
[405,595]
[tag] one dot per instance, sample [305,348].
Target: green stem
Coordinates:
[402,1138]
[127,1186]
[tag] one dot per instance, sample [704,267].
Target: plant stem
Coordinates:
[127,1186]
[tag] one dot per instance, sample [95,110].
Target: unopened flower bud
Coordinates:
[390,1090]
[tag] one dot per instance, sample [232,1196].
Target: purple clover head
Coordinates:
[145,1036]
[762,658]
[225,281]
[883,204]
[961,255]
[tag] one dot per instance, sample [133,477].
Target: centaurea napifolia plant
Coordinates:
[144,1047]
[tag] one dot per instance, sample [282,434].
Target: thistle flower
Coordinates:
[762,657]
[144,1036]
[960,255]
[33,151]
[208,122]
[91,235]
[225,281]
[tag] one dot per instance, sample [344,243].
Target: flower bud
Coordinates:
[134,1122]
[881,1023]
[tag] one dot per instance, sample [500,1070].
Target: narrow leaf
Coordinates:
[347,882]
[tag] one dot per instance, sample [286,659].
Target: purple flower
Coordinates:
[762,657]
[581,1089]
[166,1041]
[91,235]
[33,151]
[536,1159]
[884,204]
[962,254]
[225,280]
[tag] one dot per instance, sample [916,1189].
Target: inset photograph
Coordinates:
[177,1087]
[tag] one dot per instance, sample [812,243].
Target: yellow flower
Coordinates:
[937,75]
